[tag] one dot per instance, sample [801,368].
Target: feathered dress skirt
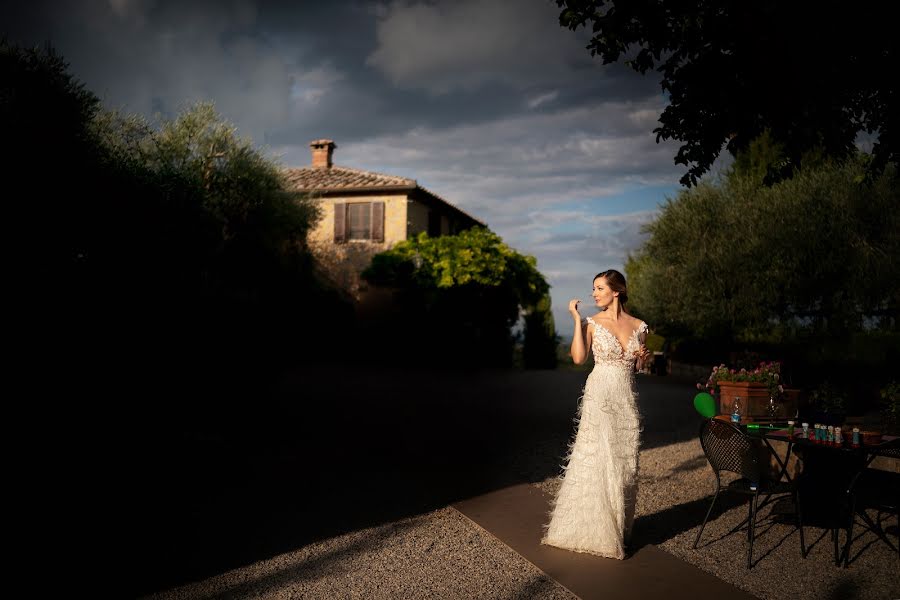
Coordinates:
[594,508]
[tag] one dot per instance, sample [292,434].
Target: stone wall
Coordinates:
[395,218]
[342,263]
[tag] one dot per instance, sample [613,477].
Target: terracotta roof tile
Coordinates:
[342,178]
[336,179]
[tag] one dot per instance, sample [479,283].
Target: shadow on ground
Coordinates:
[332,449]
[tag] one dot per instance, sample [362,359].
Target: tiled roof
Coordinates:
[343,178]
[336,179]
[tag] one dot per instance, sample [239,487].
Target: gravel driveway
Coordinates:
[348,494]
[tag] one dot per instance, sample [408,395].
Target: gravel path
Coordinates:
[438,553]
[442,555]
[678,475]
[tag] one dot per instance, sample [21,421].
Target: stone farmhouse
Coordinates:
[364,213]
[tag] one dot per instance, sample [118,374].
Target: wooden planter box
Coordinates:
[755,400]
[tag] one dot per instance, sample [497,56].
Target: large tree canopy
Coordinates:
[740,260]
[814,74]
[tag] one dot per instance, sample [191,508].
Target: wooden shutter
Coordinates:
[340,222]
[377,222]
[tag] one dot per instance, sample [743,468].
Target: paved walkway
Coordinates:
[514,515]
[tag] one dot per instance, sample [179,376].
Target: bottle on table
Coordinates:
[736,411]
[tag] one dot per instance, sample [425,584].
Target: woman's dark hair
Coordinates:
[616,282]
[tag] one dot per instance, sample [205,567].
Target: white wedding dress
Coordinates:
[594,508]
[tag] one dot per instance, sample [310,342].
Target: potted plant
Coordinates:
[760,390]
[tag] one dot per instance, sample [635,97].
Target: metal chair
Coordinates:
[873,489]
[727,448]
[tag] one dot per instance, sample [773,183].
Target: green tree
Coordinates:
[159,270]
[48,153]
[238,219]
[739,260]
[803,271]
[814,75]
[476,288]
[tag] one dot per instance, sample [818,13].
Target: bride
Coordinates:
[594,508]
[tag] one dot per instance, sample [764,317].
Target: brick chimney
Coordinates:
[321,153]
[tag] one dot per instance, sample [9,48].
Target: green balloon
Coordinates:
[705,404]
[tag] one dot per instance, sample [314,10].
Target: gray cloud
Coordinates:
[522,162]
[442,46]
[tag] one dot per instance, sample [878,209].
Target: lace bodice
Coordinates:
[608,350]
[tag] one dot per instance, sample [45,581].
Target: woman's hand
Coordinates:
[643,356]
[573,308]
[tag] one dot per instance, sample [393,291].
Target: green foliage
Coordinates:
[167,262]
[733,70]
[49,153]
[804,271]
[763,161]
[475,256]
[478,287]
[736,260]
[39,97]
[233,183]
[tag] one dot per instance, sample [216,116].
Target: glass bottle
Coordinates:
[736,410]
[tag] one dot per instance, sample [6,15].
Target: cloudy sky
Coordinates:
[489,103]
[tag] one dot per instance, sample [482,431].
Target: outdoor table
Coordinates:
[866,452]
[768,433]
[836,467]
[828,469]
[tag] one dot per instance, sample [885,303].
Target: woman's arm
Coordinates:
[581,336]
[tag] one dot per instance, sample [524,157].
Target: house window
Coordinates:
[359,221]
